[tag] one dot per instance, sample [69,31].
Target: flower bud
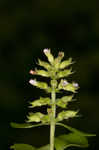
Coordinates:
[61,54]
[33,72]
[33,82]
[46,51]
[76,85]
[50,57]
[64,83]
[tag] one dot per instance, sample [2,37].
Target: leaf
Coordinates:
[44,64]
[46,147]
[25,125]
[45,119]
[64,101]
[35,117]
[58,60]
[75,130]
[66,115]
[42,85]
[64,73]
[22,147]
[42,73]
[66,63]
[71,139]
[40,102]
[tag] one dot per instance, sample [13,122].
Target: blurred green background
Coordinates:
[26,27]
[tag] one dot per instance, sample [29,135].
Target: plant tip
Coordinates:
[32,82]
[46,51]
[32,72]
[76,85]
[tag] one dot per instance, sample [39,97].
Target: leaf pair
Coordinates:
[74,138]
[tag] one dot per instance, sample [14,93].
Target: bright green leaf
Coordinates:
[42,73]
[58,60]
[66,115]
[66,63]
[64,73]
[35,117]
[40,102]
[44,64]
[45,119]
[62,102]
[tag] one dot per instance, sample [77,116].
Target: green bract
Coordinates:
[58,71]
[42,101]
[64,101]
[35,117]
[66,115]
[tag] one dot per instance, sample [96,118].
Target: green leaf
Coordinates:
[66,63]
[42,73]
[75,130]
[22,147]
[66,115]
[58,60]
[25,125]
[42,85]
[71,139]
[35,117]
[45,119]
[44,64]
[64,73]
[46,147]
[40,102]
[62,102]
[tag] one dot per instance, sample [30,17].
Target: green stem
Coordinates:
[52,123]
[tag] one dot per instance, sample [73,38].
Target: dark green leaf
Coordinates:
[22,147]
[25,125]
[75,130]
[72,139]
[46,147]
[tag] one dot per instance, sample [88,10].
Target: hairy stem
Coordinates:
[52,123]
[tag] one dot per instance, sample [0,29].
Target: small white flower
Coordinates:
[33,82]
[64,83]
[76,85]
[46,51]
